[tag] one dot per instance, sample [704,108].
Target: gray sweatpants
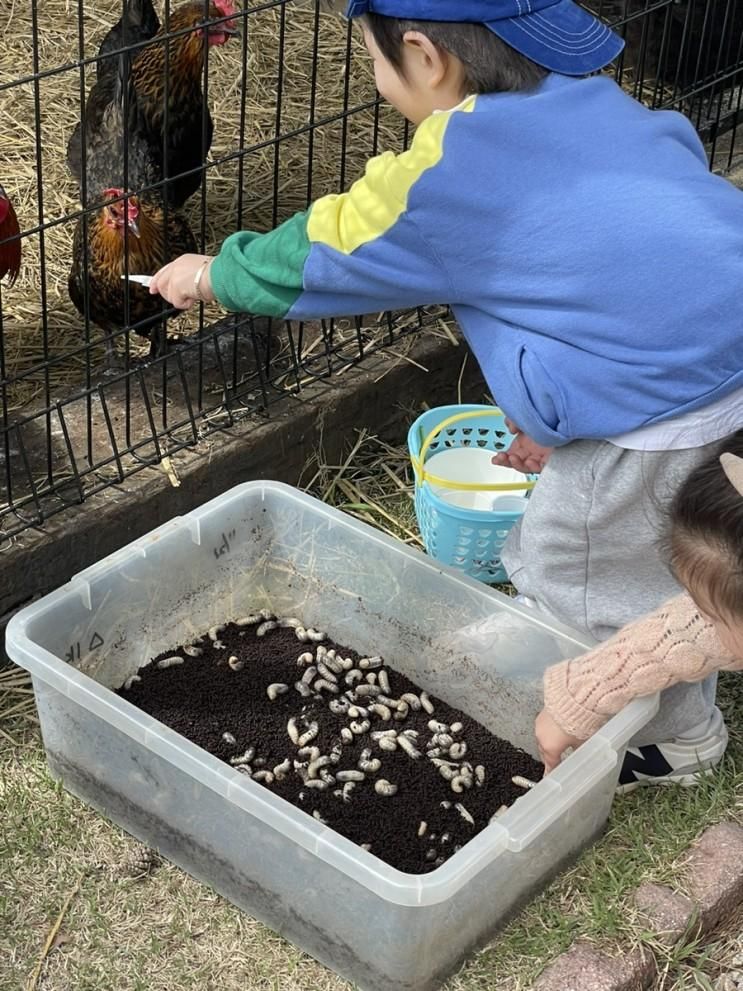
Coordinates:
[586,550]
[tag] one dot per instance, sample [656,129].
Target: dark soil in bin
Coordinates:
[221,696]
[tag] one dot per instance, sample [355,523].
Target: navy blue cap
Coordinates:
[556,34]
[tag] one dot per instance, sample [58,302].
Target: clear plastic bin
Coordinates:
[266,544]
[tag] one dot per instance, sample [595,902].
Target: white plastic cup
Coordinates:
[474,466]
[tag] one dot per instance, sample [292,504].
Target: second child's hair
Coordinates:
[490,65]
[705,539]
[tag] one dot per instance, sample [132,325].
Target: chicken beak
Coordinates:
[133,227]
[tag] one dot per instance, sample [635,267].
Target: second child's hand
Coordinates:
[524,454]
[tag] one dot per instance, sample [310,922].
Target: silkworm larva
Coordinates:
[306,658]
[316,815]
[402,711]
[458,784]
[289,623]
[309,674]
[385,788]
[317,784]
[426,703]
[291,729]
[348,787]
[367,691]
[304,690]
[456,728]
[249,620]
[464,813]
[392,703]
[358,712]
[388,743]
[312,753]
[335,753]
[412,734]
[479,775]
[422,828]
[235,663]
[334,665]
[214,632]
[365,846]
[360,728]
[218,645]
[326,673]
[370,765]
[413,701]
[309,734]
[370,662]
[242,758]
[350,776]
[434,751]
[407,745]
[169,662]
[229,738]
[346,735]
[379,734]
[131,681]
[312,634]
[458,750]
[281,770]
[323,683]
[266,627]
[446,773]
[437,727]
[352,676]
[445,804]
[383,711]
[346,663]
[522,782]
[266,776]
[431,854]
[276,689]
[339,706]
[384,681]
[313,771]
[498,812]
[193,651]
[443,740]
[370,678]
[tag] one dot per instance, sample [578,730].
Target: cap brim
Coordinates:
[563,38]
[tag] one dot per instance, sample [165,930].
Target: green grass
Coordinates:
[163,931]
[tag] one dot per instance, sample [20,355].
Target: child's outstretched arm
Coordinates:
[360,252]
[674,643]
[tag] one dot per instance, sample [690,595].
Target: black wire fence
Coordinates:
[94,386]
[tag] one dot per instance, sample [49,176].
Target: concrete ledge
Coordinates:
[584,967]
[715,873]
[278,448]
[667,914]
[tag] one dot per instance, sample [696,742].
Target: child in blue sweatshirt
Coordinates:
[595,268]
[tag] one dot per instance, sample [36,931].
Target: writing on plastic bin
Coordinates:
[73,654]
[224,547]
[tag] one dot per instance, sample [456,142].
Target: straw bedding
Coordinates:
[266,180]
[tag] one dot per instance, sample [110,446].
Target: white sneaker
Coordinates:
[681,761]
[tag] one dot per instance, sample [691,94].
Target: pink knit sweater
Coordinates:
[672,644]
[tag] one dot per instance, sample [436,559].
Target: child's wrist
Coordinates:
[203,291]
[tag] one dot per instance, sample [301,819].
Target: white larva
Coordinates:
[456,728]
[304,690]
[169,662]
[229,738]
[348,787]
[316,815]
[291,729]
[335,753]
[334,664]
[289,623]
[370,765]
[309,674]
[350,776]
[339,706]
[326,775]
[276,689]
[326,673]
[464,813]
[370,678]
[392,703]
[388,743]
[242,758]
[311,753]
[265,628]
[422,828]
[433,751]
[385,788]
[412,734]
[523,782]
[321,652]
[479,775]
[131,681]
[367,691]
[444,740]
[431,854]
[311,634]
[370,662]
[346,663]
[459,783]
[317,784]
[426,703]
[218,645]
[306,658]
[498,812]
[352,676]
[384,681]
[402,711]
[235,663]
[358,712]
[358,729]
[445,804]
[365,846]
[323,683]
[383,711]
[380,734]
[458,750]
[446,773]
[214,632]
[313,771]
[193,651]
[437,727]
[407,745]
[413,701]
[265,776]
[281,770]
[249,620]
[346,735]
[309,734]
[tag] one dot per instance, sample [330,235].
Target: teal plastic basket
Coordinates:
[469,540]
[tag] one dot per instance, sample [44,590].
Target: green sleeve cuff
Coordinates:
[262,273]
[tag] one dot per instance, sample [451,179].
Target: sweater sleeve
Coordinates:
[359,252]
[674,643]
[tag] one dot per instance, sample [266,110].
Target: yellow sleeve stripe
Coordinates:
[375,203]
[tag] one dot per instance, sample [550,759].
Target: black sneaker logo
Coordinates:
[650,762]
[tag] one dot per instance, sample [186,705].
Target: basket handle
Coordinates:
[422,475]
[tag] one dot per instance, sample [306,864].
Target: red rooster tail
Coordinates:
[10,252]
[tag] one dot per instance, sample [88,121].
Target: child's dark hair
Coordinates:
[705,539]
[490,65]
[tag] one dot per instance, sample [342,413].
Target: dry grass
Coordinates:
[272,173]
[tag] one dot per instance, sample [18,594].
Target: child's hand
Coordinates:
[175,281]
[523,454]
[552,740]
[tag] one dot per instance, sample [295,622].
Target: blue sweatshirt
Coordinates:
[593,262]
